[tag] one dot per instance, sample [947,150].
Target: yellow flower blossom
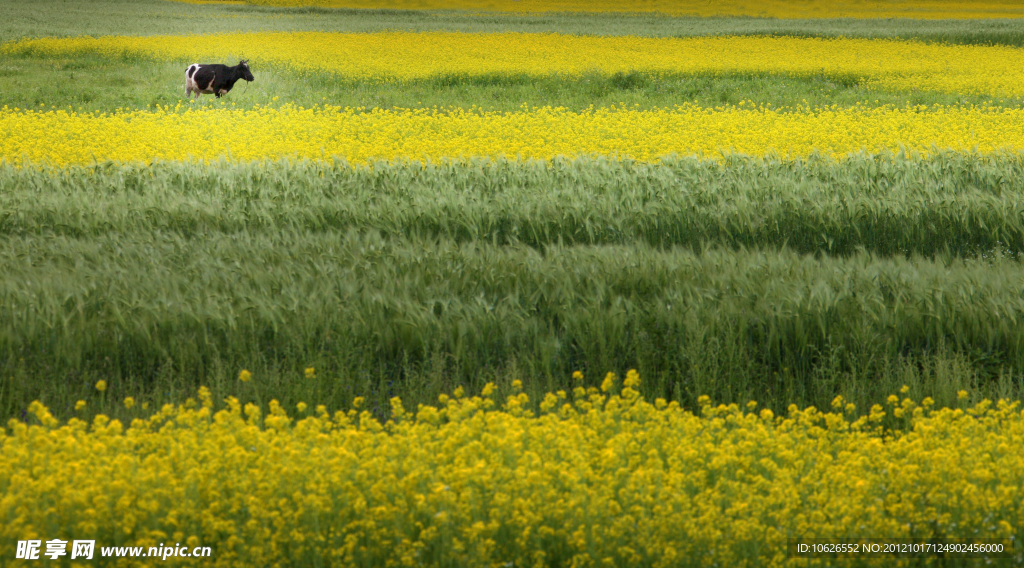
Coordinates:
[101,385]
[603,476]
[387,56]
[245,376]
[920,9]
[64,138]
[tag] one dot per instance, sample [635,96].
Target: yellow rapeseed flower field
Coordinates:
[879,63]
[61,137]
[920,9]
[597,478]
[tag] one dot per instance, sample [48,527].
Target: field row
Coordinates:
[59,137]
[599,477]
[19,19]
[875,63]
[951,204]
[926,9]
[59,82]
[154,312]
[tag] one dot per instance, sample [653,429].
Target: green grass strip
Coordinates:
[951,204]
[156,313]
[83,82]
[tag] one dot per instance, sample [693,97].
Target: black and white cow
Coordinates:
[214,79]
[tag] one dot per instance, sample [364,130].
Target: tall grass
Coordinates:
[155,313]
[409,279]
[950,204]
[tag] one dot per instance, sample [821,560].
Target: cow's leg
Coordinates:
[191,87]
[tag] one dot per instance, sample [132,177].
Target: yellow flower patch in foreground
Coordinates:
[920,9]
[61,137]
[885,64]
[593,480]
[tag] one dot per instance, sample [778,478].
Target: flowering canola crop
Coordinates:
[921,9]
[877,63]
[595,479]
[60,137]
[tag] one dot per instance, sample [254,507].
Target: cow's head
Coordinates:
[243,66]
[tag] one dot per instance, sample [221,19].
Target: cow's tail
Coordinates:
[190,84]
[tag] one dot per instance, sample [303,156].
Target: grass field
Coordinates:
[392,247]
[931,178]
[511,286]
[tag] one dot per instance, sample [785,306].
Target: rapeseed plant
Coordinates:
[594,478]
[888,64]
[359,136]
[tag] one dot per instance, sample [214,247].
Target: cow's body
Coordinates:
[214,79]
